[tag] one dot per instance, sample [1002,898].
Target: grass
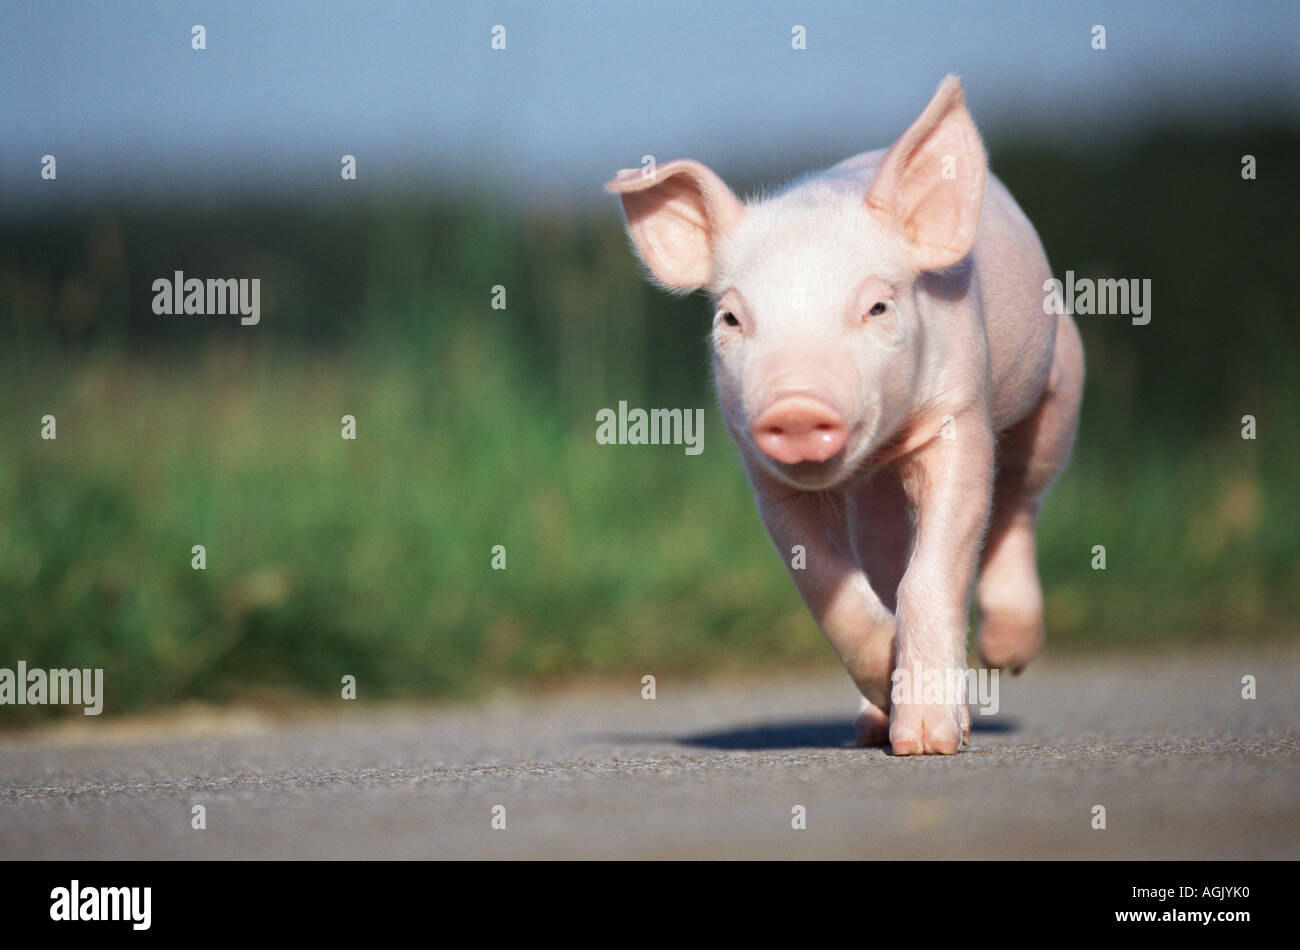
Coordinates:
[372,557]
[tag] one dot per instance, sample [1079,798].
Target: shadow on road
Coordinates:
[804,734]
[812,733]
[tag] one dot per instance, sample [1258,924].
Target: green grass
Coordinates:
[327,557]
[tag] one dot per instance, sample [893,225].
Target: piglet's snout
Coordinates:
[797,429]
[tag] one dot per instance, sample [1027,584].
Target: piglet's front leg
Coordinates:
[949,482]
[837,593]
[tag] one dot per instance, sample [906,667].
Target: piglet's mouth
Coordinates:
[812,476]
[815,475]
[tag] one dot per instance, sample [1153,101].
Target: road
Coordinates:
[1182,764]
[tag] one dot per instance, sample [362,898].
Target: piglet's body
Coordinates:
[900,399]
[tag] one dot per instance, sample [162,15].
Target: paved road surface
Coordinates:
[1183,765]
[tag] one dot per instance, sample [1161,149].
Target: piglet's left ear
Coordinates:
[930,184]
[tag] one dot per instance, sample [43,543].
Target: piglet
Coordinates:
[900,396]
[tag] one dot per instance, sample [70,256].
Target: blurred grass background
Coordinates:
[476,427]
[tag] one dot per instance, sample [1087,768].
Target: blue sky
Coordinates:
[114,91]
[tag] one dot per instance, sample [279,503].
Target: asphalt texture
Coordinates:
[1182,764]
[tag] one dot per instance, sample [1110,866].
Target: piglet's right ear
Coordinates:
[677,217]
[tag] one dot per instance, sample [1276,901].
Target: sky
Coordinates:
[113,89]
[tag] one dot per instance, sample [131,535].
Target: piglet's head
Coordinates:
[819,349]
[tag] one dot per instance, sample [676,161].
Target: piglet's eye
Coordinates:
[878,309]
[730,319]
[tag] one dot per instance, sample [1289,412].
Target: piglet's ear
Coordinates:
[930,184]
[677,216]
